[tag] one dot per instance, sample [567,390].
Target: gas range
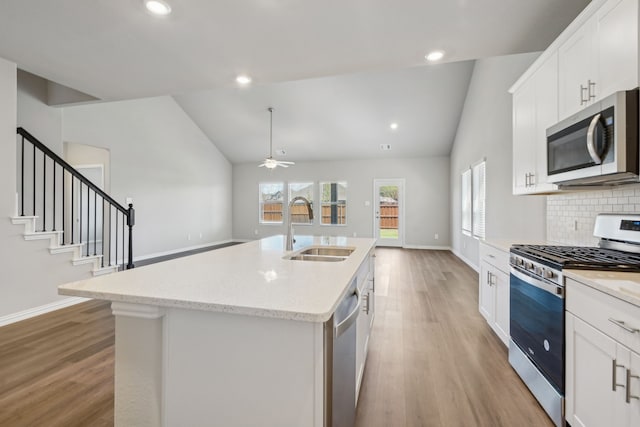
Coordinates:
[537,305]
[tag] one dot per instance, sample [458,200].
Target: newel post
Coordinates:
[131,220]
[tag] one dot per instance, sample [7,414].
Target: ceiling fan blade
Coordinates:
[283,165]
[261,165]
[282,162]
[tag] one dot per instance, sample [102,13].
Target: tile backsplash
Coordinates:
[571,216]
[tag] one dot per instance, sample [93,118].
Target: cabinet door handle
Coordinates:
[629,395]
[623,326]
[582,98]
[614,375]
[532,181]
[590,85]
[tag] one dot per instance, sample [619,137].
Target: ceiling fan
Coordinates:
[270,162]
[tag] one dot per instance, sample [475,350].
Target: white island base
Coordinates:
[178,367]
[240,336]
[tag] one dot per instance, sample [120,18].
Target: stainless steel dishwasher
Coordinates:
[340,361]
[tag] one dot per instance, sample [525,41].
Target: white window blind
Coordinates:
[466,201]
[478,206]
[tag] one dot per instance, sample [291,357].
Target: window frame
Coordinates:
[261,203]
[289,198]
[321,203]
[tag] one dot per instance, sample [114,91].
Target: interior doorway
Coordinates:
[388,211]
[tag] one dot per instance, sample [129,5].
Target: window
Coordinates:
[271,200]
[466,202]
[333,203]
[478,206]
[473,200]
[299,213]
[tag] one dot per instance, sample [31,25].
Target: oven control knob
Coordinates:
[539,271]
[519,262]
[528,265]
[548,274]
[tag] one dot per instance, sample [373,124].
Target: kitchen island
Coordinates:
[234,336]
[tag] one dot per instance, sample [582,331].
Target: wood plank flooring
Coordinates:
[433,360]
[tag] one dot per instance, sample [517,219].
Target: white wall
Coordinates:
[179,181]
[426,195]
[485,130]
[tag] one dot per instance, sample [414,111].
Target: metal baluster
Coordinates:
[88,220]
[80,214]
[124,225]
[110,208]
[64,228]
[44,191]
[103,239]
[54,195]
[73,202]
[95,223]
[116,263]
[22,182]
[34,180]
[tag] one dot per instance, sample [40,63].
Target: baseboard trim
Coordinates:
[430,248]
[466,260]
[187,249]
[37,311]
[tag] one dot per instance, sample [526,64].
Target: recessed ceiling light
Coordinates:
[436,55]
[158,7]
[393,126]
[243,80]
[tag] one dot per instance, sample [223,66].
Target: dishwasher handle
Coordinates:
[342,327]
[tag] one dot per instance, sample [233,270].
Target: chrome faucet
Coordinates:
[290,238]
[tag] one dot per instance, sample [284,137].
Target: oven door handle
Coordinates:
[555,290]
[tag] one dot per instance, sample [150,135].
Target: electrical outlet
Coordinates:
[129,201]
[201,235]
[255,232]
[189,236]
[436,236]
[354,234]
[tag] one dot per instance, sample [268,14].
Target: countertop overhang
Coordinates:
[251,279]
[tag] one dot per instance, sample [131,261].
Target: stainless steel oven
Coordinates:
[536,348]
[597,145]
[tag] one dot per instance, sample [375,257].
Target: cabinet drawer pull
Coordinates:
[629,395]
[583,100]
[614,375]
[590,85]
[491,256]
[623,326]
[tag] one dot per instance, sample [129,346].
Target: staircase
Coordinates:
[59,204]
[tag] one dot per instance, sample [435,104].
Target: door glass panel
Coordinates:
[388,208]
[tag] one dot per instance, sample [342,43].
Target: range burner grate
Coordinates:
[581,257]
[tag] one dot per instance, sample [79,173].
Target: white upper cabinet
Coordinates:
[535,108]
[600,57]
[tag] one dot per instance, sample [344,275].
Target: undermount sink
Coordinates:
[321,253]
[328,251]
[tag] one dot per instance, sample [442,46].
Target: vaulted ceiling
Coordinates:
[114,50]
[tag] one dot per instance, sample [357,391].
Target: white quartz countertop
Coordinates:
[625,286]
[250,279]
[505,244]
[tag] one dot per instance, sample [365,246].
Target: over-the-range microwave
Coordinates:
[598,145]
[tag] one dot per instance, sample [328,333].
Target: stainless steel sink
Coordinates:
[321,253]
[329,251]
[303,257]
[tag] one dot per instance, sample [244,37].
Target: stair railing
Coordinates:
[72,204]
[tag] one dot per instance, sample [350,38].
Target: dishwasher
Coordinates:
[340,361]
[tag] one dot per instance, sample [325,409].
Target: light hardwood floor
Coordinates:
[433,360]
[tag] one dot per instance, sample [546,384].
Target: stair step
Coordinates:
[105,270]
[42,235]
[95,259]
[28,221]
[61,249]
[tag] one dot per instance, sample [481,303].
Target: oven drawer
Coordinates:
[597,308]
[494,256]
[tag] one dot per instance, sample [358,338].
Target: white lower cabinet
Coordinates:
[494,289]
[602,374]
[366,287]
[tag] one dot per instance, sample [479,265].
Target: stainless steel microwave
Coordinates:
[598,145]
